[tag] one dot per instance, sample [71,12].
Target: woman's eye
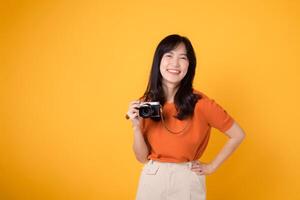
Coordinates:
[168,55]
[184,58]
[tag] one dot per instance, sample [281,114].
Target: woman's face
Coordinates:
[174,65]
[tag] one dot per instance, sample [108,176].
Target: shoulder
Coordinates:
[203,97]
[205,102]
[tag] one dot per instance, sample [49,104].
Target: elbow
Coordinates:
[236,133]
[241,136]
[141,154]
[142,159]
[238,136]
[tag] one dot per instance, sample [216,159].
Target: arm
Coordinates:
[236,135]
[140,147]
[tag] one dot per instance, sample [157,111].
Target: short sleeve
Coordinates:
[216,116]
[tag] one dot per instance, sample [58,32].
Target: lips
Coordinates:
[173,71]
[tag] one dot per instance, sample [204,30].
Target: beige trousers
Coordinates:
[170,181]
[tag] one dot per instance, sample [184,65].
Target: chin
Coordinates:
[173,82]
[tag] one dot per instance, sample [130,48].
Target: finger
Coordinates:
[196,162]
[200,165]
[195,165]
[201,172]
[199,168]
[134,102]
[134,107]
[135,115]
[131,113]
[198,172]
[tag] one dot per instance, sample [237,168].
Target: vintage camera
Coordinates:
[150,110]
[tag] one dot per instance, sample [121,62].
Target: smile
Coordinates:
[173,71]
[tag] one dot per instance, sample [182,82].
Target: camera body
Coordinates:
[150,110]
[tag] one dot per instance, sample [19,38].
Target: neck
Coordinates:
[170,91]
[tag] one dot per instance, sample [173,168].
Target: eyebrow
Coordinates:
[179,54]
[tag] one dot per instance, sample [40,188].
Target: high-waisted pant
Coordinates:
[170,181]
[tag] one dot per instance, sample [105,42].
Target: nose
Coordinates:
[175,62]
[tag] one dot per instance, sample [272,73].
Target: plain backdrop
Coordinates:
[68,70]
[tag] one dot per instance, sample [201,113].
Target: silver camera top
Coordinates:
[152,103]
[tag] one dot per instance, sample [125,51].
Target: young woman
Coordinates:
[171,145]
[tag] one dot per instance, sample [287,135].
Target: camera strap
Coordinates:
[168,129]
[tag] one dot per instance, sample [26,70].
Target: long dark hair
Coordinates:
[185,100]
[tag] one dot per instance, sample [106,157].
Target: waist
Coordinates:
[187,165]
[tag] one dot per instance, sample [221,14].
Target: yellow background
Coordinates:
[70,68]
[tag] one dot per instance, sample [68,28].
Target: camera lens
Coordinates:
[146,110]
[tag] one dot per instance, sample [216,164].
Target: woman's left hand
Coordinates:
[201,168]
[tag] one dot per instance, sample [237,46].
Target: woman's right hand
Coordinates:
[133,113]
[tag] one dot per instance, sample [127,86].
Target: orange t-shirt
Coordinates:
[190,144]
